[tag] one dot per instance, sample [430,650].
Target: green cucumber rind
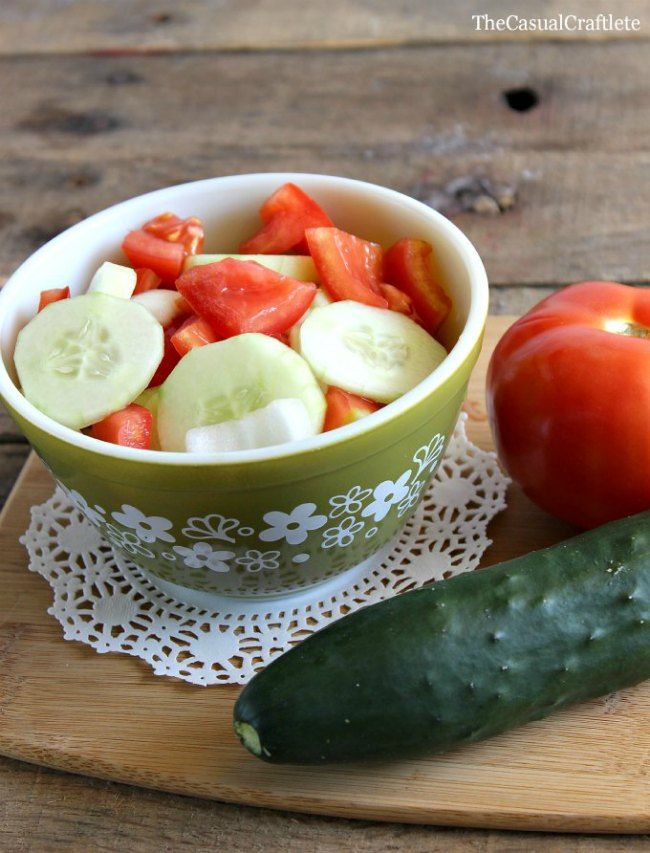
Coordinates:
[465,659]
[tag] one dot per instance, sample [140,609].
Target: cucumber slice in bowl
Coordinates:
[226,380]
[80,359]
[279,422]
[373,352]
[114,280]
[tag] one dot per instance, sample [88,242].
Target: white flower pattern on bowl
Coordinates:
[426,457]
[412,498]
[202,556]
[148,528]
[213,526]
[256,561]
[349,503]
[386,495]
[134,530]
[293,526]
[127,540]
[95,513]
[342,535]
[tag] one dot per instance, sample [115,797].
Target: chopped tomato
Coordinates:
[168,226]
[169,360]
[194,332]
[348,267]
[146,280]
[398,300]
[286,215]
[243,296]
[53,295]
[407,266]
[165,259]
[345,408]
[130,427]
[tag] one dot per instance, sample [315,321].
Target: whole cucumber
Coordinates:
[464,659]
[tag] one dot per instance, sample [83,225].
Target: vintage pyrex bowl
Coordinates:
[268,521]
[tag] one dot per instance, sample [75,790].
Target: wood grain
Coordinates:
[42,810]
[57,26]
[548,196]
[60,705]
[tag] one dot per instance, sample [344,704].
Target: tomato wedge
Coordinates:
[398,301]
[407,266]
[165,259]
[194,332]
[345,408]
[53,295]
[243,296]
[168,226]
[130,427]
[146,280]
[170,357]
[348,267]
[286,215]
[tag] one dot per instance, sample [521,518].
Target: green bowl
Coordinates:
[272,521]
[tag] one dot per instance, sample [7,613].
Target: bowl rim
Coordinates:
[469,336]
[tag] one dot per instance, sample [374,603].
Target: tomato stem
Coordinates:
[634,330]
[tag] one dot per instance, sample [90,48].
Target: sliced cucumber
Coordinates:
[80,359]
[318,301]
[374,352]
[150,398]
[165,305]
[300,267]
[114,279]
[279,422]
[227,380]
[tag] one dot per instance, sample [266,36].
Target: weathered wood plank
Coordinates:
[61,26]
[106,816]
[548,196]
[12,459]
[9,432]
[516,300]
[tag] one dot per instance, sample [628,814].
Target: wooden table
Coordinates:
[537,147]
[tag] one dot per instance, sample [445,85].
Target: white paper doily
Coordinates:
[107,602]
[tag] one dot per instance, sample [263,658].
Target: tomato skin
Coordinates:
[569,401]
[53,295]
[130,427]
[146,280]
[243,296]
[407,266]
[168,226]
[285,216]
[165,259]
[170,357]
[348,267]
[194,332]
[344,408]
[399,301]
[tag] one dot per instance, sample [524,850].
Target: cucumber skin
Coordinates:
[465,659]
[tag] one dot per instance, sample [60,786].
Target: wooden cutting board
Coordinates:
[63,705]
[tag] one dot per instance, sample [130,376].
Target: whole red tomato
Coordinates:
[569,402]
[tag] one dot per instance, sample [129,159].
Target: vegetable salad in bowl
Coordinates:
[307,329]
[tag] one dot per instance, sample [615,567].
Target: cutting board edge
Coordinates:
[513,819]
